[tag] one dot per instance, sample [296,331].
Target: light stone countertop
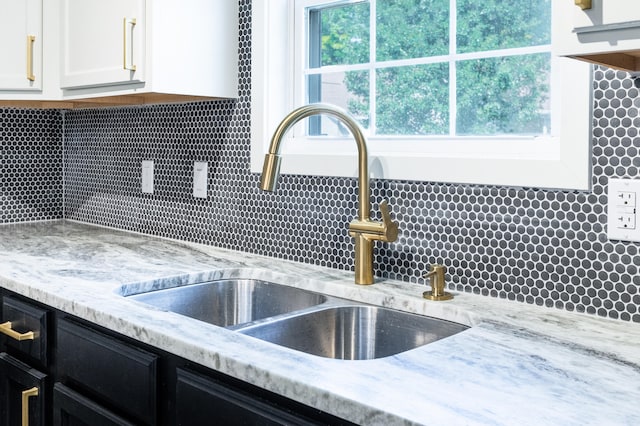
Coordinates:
[517,365]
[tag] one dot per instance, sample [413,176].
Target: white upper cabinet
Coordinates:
[605,32]
[117,52]
[21,38]
[155,50]
[102,42]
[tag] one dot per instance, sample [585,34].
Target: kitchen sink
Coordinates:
[300,319]
[230,302]
[354,332]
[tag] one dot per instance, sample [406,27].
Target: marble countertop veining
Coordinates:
[518,364]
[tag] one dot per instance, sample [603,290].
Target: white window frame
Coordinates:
[556,162]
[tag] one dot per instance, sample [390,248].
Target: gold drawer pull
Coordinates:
[25,404]
[5,328]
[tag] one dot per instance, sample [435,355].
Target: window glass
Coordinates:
[482,71]
[499,24]
[413,100]
[349,90]
[504,95]
[411,29]
[339,35]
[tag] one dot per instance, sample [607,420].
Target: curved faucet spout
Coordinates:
[271,167]
[363,229]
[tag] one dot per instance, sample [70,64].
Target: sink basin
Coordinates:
[354,332]
[231,302]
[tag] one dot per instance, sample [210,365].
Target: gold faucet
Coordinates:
[363,229]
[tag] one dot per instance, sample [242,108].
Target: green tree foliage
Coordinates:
[413,100]
[499,24]
[505,95]
[345,34]
[502,95]
[412,29]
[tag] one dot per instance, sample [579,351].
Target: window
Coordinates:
[447,91]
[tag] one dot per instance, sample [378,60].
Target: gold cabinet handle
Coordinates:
[30,41]
[584,4]
[127,48]
[5,328]
[25,404]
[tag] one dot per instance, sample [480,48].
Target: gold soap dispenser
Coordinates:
[436,276]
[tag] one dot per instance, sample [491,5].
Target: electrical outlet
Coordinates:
[147,177]
[626,198]
[200,173]
[623,212]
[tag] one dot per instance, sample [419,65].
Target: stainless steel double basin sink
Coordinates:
[300,319]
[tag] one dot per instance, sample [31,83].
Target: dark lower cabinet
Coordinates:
[202,400]
[74,373]
[24,383]
[111,372]
[23,393]
[74,409]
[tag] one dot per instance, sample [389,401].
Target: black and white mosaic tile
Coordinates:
[30,165]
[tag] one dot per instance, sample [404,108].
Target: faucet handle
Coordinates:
[390,226]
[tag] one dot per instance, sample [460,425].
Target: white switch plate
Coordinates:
[147,177]
[200,173]
[622,220]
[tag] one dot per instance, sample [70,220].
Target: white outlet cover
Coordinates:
[622,217]
[147,177]
[200,173]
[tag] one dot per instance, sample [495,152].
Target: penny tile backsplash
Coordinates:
[537,246]
[30,165]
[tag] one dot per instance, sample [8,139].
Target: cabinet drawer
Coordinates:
[111,372]
[20,317]
[71,408]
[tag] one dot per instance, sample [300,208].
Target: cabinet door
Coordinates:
[21,38]
[201,400]
[22,393]
[109,371]
[72,409]
[102,42]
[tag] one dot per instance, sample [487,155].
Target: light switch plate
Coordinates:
[200,173]
[147,177]
[622,220]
